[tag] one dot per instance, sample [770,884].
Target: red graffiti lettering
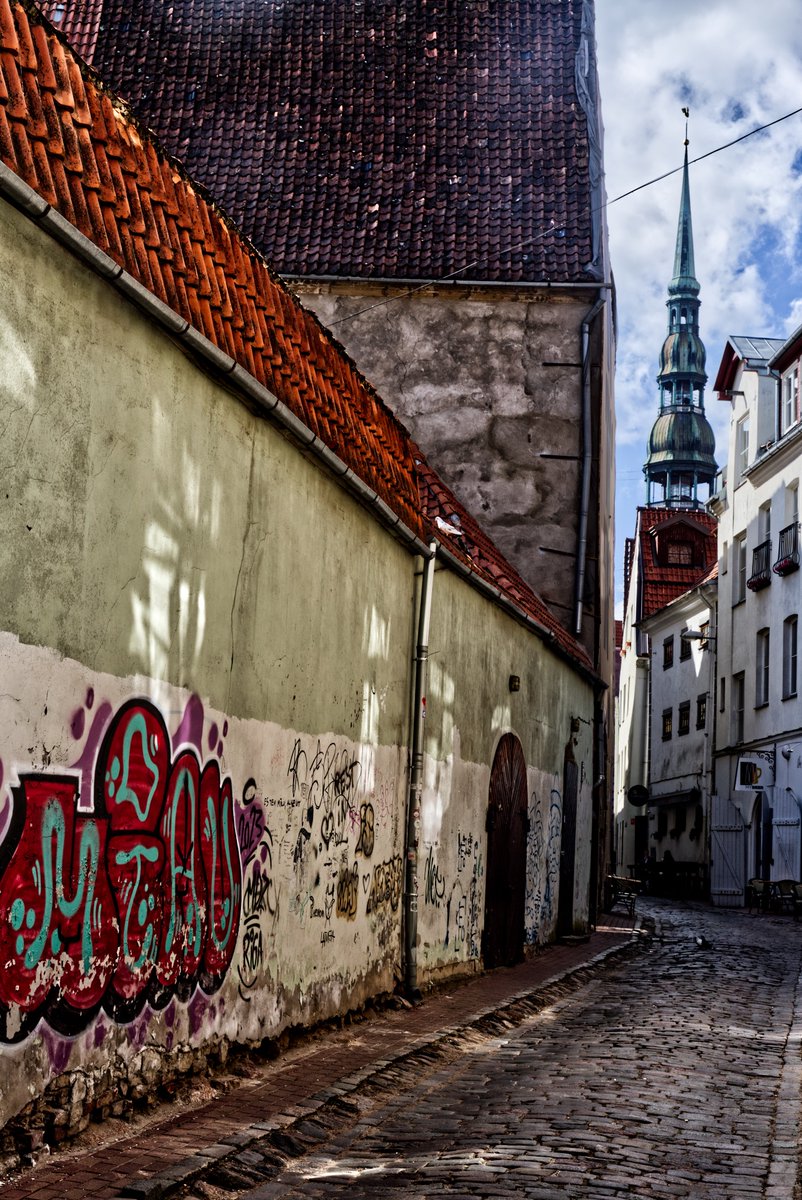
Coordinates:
[135,902]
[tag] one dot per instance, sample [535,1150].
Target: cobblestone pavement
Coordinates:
[673,1073]
[255,1095]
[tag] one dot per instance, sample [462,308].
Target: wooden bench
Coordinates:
[622,890]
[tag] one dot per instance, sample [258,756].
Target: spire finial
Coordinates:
[686,113]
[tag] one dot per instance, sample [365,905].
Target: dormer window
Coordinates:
[680,554]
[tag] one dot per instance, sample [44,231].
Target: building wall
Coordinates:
[774,472]
[490,386]
[464,723]
[490,383]
[681,763]
[206,651]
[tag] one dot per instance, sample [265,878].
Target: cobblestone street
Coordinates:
[674,1073]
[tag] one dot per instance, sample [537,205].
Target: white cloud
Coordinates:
[737,65]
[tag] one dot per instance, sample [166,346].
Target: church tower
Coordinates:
[681,444]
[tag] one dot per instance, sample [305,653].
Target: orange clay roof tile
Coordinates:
[71,142]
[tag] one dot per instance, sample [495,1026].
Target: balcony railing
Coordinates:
[788,550]
[761,567]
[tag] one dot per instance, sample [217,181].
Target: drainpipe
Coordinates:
[587,436]
[416,780]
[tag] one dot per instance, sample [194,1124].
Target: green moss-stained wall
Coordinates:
[206,654]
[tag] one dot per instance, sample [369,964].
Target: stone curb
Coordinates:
[165,1183]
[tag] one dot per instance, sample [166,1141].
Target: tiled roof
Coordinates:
[456,529]
[78,148]
[755,352]
[396,140]
[663,582]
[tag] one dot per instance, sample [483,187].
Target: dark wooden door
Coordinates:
[507,824]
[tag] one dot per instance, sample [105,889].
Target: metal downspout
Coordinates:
[416,780]
[587,432]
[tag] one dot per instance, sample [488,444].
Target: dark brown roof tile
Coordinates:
[309,122]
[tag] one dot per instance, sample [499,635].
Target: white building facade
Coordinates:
[681,731]
[756,830]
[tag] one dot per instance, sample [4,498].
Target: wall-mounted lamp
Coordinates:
[696,635]
[515,683]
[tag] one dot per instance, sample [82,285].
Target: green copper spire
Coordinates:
[681,444]
[684,271]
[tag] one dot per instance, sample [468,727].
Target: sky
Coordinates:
[737,64]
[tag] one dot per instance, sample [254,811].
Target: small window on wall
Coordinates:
[762,668]
[701,711]
[789,412]
[790,625]
[684,717]
[668,724]
[722,704]
[739,569]
[741,448]
[668,652]
[662,823]
[680,820]
[737,709]
[684,647]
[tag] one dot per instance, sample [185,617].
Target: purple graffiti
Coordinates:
[190,731]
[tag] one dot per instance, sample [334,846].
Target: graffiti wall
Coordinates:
[206,670]
[171,878]
[543,861]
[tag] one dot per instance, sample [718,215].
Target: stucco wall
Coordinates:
[469,708]
[491,388]
[160,543]
[206,657]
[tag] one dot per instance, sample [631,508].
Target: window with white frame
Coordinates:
[739,568]
[764,522]
[790,625]
[737,708]
[741,448]
[792,503]
[789,406]
[762,668]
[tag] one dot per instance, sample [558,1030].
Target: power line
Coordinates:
[558,230]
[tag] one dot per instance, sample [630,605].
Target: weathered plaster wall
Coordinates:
[491,389]
[469,708]
[205,654]
[162,545]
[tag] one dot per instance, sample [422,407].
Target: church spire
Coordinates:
[681,445]
[684,270]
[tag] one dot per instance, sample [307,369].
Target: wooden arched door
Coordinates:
[505,877]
